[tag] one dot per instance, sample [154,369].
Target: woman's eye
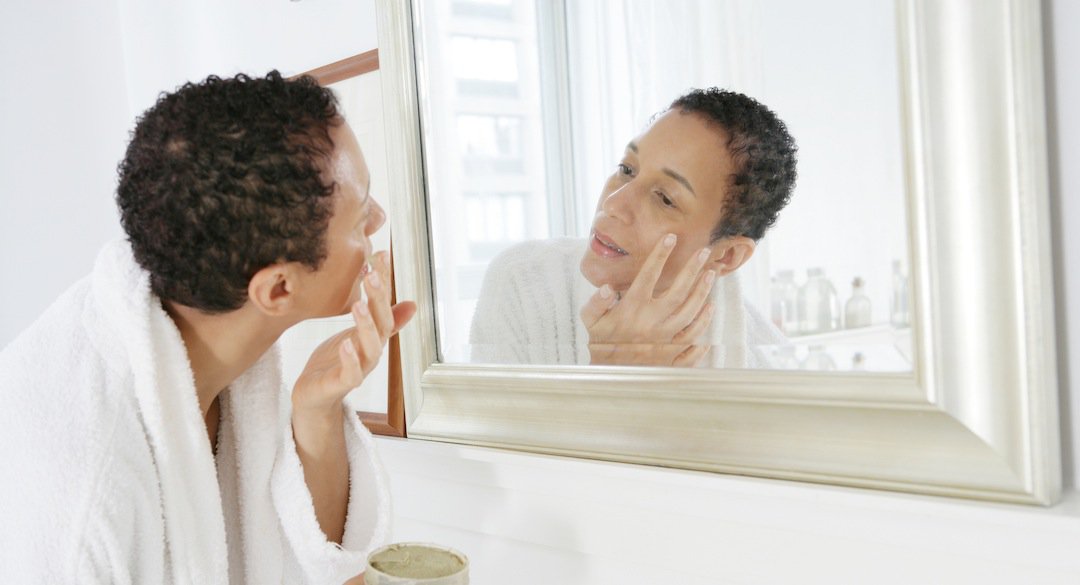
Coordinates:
[625,170]
[664,199]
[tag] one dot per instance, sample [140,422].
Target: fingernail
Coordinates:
[361,309]
[669,240]
[375,280]
[349,347]
[605,292]
[703,255]
[710,276]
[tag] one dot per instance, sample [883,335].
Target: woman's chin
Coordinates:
[598,276]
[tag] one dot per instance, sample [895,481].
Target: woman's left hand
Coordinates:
[342,362]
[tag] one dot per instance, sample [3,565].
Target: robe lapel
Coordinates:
[165,393]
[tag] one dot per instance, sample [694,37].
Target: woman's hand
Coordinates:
[642,327]
[342,362]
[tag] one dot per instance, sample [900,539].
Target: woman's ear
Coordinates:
[273,289]
[731,253]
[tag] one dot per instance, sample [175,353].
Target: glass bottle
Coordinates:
[782,295]
[776,304]
[857,308]
[899,313]
[784,358]
[819,360]
[818,304]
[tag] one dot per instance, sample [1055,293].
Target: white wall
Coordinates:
[536,520]
[63,128]
[77,74]
[522,519]
[167,43]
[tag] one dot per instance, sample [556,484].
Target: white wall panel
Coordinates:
[516,514]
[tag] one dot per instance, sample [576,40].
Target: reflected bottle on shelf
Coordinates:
[899,313]
[782,296]
[784,358]
[819,360]
[857,308]
[818,304]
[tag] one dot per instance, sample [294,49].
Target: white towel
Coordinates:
[532,294]
[112,476]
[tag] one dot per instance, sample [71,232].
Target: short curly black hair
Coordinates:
[225,177]
[763,152]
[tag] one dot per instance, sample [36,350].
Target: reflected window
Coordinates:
[492,165]
[492,9]
[484,66]
[494,221]
[490,144]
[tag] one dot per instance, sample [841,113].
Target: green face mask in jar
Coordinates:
[414,563]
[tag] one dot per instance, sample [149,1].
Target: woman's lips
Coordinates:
[604,246]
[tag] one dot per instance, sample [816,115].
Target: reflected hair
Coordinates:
[225,177]
[763,154]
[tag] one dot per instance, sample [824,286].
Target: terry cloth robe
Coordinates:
[108,471]
[529,305]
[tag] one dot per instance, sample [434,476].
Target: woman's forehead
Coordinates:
[686,143]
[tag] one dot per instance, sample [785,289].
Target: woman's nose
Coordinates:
[377,219]
[619,204]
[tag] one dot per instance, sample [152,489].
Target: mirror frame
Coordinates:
[977,417]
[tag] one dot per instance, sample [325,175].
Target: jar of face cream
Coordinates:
[416,563]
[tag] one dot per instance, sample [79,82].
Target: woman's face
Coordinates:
[335,286]
[672,179]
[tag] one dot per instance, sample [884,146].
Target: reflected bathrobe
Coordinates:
[531,298]
[109,475]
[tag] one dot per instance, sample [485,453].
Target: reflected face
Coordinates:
[672,179]
[335,286]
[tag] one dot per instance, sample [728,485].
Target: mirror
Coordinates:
[974,412]
[530,109]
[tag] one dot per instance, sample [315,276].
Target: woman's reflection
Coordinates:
[656,282]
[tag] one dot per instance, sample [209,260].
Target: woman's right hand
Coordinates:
[643,327]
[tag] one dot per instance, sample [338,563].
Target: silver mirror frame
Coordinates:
[978,416]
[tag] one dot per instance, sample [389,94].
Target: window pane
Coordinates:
[484,59]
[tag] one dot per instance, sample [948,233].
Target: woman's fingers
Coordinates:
[351,373]
[377,287]
[691,357]
[645,282]
[684,282]
[403,313]
[691,308]
[367,340]
[635,354]
[697,328]
[597,306]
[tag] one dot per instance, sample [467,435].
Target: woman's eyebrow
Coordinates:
[632,146]
[680,179]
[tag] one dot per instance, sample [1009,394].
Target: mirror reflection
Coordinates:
[566,147]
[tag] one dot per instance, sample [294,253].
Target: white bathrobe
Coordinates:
[531,298]
[108,472]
